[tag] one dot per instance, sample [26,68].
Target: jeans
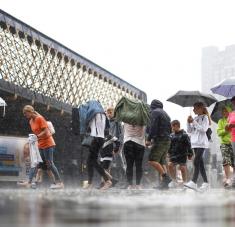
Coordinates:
[32,173]
[47,155]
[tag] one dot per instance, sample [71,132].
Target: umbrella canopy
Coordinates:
[216,113]
[188,98]
[225,88]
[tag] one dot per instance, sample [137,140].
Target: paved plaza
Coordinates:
[76,207]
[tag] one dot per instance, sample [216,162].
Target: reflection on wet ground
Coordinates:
[116,208]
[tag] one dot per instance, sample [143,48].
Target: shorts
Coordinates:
[158,151]
[180,160]
[227,154]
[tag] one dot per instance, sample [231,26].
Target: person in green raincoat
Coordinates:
[225,145]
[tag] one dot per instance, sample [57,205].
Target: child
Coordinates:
[180,149]
[111,144]
[31,156]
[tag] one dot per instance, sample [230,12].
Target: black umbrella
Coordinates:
[216,113]
[188,98]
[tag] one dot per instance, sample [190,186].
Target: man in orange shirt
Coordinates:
[46,144]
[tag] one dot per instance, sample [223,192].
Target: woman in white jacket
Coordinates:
[197,128]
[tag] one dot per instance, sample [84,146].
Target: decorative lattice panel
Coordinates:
[33,61]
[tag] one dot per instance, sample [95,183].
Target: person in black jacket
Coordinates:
[159,132]
[180,150]
[111,144]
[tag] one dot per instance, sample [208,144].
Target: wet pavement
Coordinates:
[116,208]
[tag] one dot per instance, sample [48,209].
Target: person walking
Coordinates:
[230,127]
[46,144]
[97,131]
[225,145]
[112,143]
[159,138]
[197,128]
[180,150]
[134,147]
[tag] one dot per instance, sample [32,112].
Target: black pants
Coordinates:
[134,153]
[199,165]
[92,161]
[106,164]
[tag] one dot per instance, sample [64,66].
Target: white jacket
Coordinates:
[35,156]
[197,130]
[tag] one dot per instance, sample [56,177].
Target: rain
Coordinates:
[138,132]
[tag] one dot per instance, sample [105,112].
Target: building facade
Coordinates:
[37,70]
[216,65]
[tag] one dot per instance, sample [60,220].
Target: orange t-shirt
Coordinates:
[37,125]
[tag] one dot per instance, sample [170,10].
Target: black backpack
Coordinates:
[209,133]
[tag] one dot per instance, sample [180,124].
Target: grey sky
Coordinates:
[153,44]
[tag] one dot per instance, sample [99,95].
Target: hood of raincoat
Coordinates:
[156,104]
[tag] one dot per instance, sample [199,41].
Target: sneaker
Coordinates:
[205,186]
[131,187]
[33,185]
[138,187]
[107,185]
[114,182]
[87,186]
[57,186]
[165,182]
[191,185]
[227,183]
[172,184]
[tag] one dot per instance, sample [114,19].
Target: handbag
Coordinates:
[87,141]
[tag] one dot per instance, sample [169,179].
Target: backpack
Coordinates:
[51,127]
[209,133]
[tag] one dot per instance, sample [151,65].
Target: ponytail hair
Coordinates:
[29,109]
[205,111]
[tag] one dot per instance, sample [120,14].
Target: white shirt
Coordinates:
[197,130]
[97,125]
[134,133]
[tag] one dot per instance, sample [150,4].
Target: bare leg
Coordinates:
[39,175]
[51,175]
[172,170]
[227,171]
[183,170]
[158,167]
